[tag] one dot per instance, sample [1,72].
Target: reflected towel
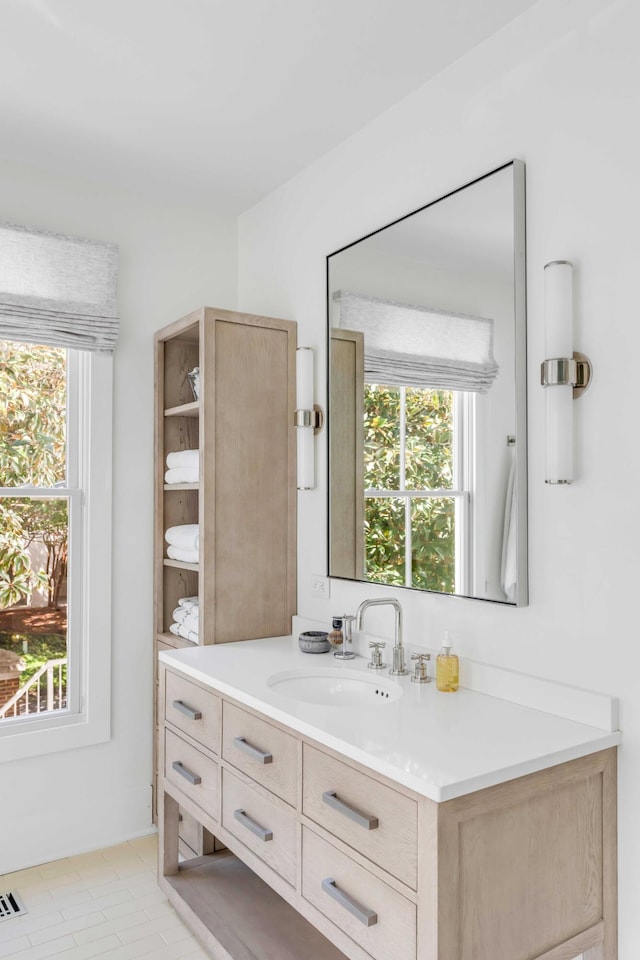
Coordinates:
[509,572]
[184,458]
[182,475]
[186,536]
[186,556]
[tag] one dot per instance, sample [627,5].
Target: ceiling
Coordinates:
[215,102]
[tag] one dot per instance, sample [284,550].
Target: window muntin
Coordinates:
[418,473]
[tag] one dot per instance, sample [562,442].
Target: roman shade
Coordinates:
[417,346]
[58,290]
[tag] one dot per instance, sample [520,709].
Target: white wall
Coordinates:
[558,89]
[172,260]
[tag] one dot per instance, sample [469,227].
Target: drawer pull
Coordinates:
[193,778]
[251,751]
[362,819]
[250,824]
[188,711]
[368,917]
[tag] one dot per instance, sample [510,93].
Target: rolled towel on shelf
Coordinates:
[184,458]
[189,602]
[186,556]
[178,631]
[182,475]
[186,536]
[182,614]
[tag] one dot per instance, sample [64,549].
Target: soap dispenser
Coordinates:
[447,667]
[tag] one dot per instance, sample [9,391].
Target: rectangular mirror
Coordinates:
[427,397]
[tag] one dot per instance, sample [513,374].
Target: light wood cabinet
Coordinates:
[525,870]
[245,498]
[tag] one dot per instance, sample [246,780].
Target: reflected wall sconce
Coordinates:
[308,418]
[566,374]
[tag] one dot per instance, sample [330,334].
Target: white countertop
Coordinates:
[440,745]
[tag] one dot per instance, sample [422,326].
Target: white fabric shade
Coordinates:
[58,290]
[419,347]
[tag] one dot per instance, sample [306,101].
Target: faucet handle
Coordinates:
[420,674]
[376,656]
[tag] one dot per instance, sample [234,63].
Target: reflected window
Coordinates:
[418,472]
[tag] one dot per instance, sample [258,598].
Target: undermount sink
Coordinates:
[336,688]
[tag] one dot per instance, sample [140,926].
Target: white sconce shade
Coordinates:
[558,308]
[305,417]
[565,374]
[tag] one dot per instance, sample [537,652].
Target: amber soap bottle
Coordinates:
[447,667]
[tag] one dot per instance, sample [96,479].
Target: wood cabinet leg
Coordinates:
[168,836]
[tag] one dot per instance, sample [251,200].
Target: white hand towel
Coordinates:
[187,556]
[189,602]
[185,536]
[182,614]
[182,475]
[178,631]
[184,458]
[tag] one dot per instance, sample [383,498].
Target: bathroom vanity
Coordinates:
[361,815]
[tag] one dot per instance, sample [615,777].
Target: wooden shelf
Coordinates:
[178,642]
[181,564]
[229,906]
[182,486]
[184,410]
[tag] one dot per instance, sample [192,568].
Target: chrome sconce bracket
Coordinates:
[562,372]
[310,418]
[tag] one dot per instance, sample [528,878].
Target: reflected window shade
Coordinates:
[58,290]
[418,347]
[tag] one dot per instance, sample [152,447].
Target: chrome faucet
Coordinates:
[398,669]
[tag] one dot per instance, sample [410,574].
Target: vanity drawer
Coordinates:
[193,773]
[266,826]
[374,819]
[193,710]
[377,917]
[265,753]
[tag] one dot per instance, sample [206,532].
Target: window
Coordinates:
[418,480]
[55,412]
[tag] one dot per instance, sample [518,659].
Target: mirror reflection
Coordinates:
[427,478]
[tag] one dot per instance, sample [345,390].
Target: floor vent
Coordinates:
[11,906]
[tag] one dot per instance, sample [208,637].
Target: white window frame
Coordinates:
[461,491]
[87,719]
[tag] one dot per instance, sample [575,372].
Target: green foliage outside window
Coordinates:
[32,453]
[428,466]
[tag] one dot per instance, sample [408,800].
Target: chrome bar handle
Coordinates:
[362,819]
[188,711]
[193,778]
[368,917]
[260,755]
[250,824]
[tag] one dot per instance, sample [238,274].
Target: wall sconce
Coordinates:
[308,418]
[567,374]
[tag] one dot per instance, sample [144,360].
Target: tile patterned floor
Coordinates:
[103,904]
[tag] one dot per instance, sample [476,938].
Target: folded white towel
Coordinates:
[187,556]
[184,458]
[189,602]
[182,475]
[178,630]
[185,536]
[182,614]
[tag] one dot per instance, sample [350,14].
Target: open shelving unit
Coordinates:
[245,500]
